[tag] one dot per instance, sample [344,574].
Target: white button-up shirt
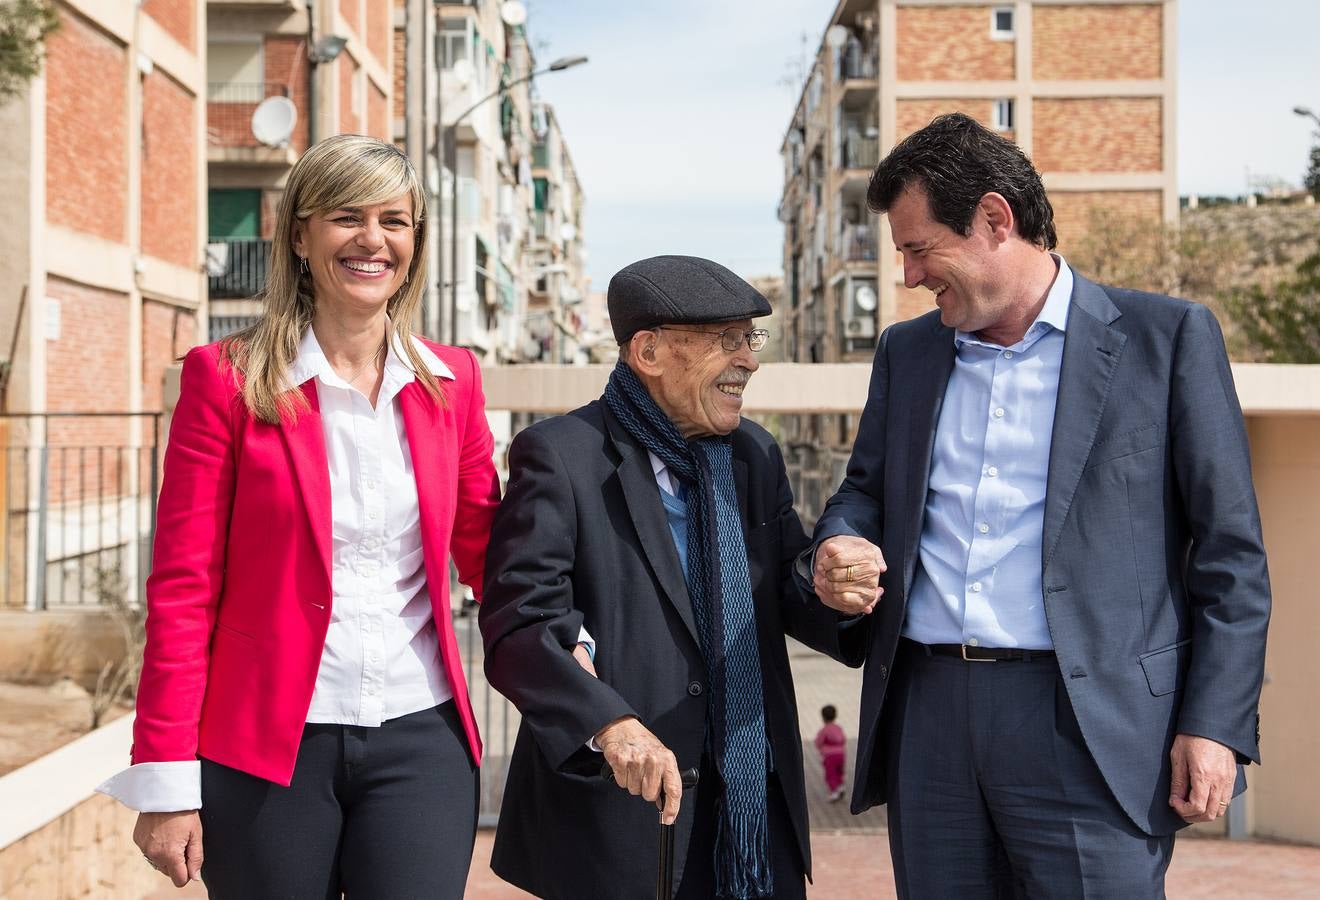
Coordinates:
[381,656]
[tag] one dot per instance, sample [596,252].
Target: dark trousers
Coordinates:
[992,792]
[372,813]
[699,868]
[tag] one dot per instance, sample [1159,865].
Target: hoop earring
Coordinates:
[302,264]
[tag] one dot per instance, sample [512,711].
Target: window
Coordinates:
[234,69]
[1001,23]
[453,42]
[1003,115]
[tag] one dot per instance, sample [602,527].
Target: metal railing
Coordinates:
[229,108]
[857,62]
[78,493]
[860,152]
[857,243]
[236,268]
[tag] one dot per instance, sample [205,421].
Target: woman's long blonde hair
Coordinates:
[344,170]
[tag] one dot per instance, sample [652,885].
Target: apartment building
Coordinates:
[104,173]
[557,322]
[1085,87]
[314,69]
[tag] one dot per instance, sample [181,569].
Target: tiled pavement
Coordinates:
[851,852]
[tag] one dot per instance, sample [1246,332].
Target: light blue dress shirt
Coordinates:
[978,581]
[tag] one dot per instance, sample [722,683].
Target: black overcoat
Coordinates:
[581,538]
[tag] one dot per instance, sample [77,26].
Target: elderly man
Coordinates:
[1066,663]
[663,523]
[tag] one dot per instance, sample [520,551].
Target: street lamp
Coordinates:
[451,151]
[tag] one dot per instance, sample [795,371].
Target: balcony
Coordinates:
[857,63]
[860,151]
[236,268]
[229,137]
[857,243]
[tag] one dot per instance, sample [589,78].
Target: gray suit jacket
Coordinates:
[1154,577]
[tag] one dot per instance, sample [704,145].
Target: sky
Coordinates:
[675,124]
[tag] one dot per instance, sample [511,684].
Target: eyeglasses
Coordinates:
[730,338]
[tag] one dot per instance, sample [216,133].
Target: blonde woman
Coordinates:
[303,726]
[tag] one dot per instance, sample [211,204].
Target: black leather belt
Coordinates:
[983,654]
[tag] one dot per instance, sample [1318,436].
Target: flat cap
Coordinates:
[679,290]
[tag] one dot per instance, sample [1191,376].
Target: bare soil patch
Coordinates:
[36,719]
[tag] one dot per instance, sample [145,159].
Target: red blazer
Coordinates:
[239,597]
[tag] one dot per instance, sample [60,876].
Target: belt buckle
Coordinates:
[967,658]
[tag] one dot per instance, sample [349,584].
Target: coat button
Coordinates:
[694,688]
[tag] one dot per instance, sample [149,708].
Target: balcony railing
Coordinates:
[860,152]
[857,243]
[236,268]
[857,62]
[229,108]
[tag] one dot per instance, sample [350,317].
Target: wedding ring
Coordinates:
[847,574]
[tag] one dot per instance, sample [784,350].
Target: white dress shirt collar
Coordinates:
[311,363]
[1054,314]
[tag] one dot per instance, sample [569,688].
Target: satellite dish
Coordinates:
[836,36]
[461,72]
[865,298]
[273,121]
[513,13]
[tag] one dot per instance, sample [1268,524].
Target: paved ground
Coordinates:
[852,853]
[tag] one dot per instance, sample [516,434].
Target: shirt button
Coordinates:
[973,642]
[992,471]
[983,528]
[370,485]
[1008,354]
[694,688]
[999,412]
[976,587]
[371,516]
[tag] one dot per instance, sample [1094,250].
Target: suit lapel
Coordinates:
[1091,352]
[429,459]
[929,377]
[648,517]
[306,442]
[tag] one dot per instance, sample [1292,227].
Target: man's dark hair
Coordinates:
[829,713]
[957,161]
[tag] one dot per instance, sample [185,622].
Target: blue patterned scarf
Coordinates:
[720,587]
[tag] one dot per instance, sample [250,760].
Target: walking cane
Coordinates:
[664,881]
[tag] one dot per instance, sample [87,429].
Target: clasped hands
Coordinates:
[846,576]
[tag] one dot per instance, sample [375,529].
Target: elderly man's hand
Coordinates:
[847,574]
[1203,776]
[642,765]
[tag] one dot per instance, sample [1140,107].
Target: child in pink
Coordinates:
[831,743]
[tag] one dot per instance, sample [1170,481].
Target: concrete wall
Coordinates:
[1285,791]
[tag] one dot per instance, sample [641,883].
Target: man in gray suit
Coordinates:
[1051,491]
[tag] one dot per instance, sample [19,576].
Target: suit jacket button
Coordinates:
[694,688]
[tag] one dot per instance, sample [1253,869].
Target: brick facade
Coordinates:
[378,113]
[1072,209]
[1097,42]
[399,98]
[380,28]
[176,18]
[168,332]
[169,171]
[912,302]
[951,43]
[351,10]
[1100,134]
[912,115]
[349,121]
[286,64]
[86,107]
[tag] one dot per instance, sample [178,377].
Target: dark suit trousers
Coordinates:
[992,792]
[387,813]
[699,868]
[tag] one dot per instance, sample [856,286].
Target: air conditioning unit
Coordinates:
[859,312]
